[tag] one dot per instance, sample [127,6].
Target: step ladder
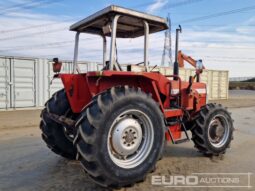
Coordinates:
[179,140]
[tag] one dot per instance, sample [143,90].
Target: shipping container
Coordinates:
[27,82]
[17,82]
[217,81]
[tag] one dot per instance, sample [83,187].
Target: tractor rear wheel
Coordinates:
[120,137]
[56,136]
[213,130]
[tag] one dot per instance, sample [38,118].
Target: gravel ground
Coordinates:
[27,164]
[239,98]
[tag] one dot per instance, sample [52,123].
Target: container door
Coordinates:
[24,83]
[223,85]
[4,83]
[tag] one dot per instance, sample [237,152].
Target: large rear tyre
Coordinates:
[120,137]
[213,130]
[56,136]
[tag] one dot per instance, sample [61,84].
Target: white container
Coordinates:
[25,82]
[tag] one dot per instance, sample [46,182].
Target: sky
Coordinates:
[220,32]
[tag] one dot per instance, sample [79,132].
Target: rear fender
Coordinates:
[77,90]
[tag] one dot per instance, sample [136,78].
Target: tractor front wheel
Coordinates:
[120,137]
[213,130]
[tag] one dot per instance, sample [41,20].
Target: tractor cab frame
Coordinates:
[118,22]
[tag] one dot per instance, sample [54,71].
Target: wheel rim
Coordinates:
[218,131]
[130,139]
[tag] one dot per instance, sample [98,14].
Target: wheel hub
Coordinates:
[219,131]
[127,136]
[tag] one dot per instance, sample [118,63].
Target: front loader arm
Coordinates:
[183,57]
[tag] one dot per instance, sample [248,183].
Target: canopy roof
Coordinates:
[130,23]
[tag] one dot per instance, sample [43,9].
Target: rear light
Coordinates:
[56,65]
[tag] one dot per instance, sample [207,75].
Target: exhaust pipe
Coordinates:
[176,64]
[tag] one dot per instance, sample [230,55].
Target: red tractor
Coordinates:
[116,122]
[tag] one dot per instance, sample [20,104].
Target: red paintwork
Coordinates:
[176,132]
[173,113]
[80,88]
[77,90]
[57,67]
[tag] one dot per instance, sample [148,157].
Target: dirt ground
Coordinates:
[27,164]
[239,98]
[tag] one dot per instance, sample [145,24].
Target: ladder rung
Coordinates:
[181,141]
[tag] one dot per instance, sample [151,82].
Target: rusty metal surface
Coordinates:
[67,122]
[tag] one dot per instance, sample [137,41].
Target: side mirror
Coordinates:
[199,65]
[199,69]
[56,65]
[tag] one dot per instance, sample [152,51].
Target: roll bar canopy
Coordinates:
[130,23]
[118,22]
